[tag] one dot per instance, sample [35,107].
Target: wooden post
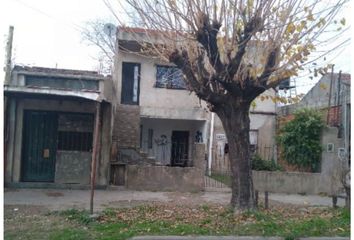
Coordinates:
[266,201]
[256,197]
[334,201]
[95,150]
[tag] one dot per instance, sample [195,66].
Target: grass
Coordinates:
[225,179]
[124,223]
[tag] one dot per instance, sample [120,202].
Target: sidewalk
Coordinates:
[58,199]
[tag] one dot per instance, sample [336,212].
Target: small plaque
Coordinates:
[220,136]
[46,153]
[330,147]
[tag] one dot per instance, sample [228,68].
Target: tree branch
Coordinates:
[206,35]
[202,91]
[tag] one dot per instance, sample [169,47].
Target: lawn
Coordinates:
[224,178]
[168,219]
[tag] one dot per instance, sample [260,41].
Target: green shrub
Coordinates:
[300,139]
[259,164]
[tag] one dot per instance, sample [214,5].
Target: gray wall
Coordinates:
[161,178]
[293,183]
[73,167]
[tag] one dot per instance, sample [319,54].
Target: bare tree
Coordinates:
[230,52]
[97,33]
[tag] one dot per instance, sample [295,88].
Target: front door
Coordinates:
[179,155]
[39,146]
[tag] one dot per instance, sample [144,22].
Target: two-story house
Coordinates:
[157,118]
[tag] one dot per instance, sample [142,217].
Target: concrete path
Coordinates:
[57,199]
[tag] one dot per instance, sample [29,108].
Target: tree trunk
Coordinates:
[234,116]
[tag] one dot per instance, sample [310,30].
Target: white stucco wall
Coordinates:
[159,102]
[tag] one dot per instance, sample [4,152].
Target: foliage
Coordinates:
[300,139]
[181,220]
[259,164]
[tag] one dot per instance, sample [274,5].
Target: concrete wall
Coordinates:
[330,162]
[293,183]
[288,182]
[162,178]
[327,181]
[73,167]
[318,96]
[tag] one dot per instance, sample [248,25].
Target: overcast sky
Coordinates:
[47,34]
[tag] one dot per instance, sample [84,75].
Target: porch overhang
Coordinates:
[18,90]
[198,114]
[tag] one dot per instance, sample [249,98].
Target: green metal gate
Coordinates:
[39,146]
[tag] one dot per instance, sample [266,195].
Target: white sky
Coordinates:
[47,34]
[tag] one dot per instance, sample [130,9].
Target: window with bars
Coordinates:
[169,77]
[75,141]
[75,132]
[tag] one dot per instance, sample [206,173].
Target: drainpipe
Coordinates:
[330,94]
[339,105]
[345,126]
[211,143]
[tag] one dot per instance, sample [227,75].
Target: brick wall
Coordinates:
[126,128]
[334,116]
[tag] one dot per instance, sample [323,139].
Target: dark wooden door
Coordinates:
[130,83]
[39,146]
[179,149]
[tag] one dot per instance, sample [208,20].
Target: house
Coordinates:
[158,122]
[50,118]
[154,134]
[331,95]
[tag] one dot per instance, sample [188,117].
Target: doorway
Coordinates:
[179,149]
[39,146]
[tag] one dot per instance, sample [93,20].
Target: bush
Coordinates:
[300,139]
[259,164]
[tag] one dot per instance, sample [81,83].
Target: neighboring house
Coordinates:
[158,121]
[49,126]
[331,95]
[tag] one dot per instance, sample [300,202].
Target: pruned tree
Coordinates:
[230,52]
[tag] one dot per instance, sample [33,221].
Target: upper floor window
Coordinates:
[169,77]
